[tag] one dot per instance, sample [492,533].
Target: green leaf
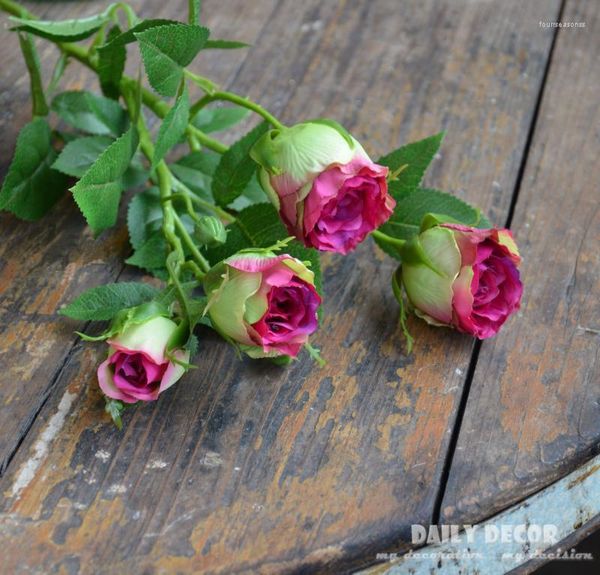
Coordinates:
[225,45]
[98,192]
[63,30]
[252,194]
[196,171]
[172,128]
[31,186]
[410,210]
[166,50]
[111,63]
[150,256]
[78,155]
[32,61]
[91,113]
[144,216]
[112,55]
[416,157]
[105,301]
[259,226]
[217,119]
[236,168]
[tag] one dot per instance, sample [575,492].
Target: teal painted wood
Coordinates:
[558,511]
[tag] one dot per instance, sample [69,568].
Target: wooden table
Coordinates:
[248,467]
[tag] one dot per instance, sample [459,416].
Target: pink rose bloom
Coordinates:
[265,303]
[137,368]
[328,192]
[464,277]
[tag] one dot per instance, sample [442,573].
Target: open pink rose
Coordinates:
[137,368]
[464,277]
[265,303]
[328,192]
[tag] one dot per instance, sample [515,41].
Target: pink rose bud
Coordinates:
[137,368]
[463,277]
[265,303]
[328,192]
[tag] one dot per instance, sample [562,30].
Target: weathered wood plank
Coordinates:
[247,467]
[46,264]
[533,411]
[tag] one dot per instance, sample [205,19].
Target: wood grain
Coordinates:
[245,467]
[533,411]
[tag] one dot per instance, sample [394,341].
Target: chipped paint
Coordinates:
[41,446]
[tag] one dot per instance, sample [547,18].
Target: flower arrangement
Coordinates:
[233,232]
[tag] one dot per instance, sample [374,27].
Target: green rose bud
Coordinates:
[210,231]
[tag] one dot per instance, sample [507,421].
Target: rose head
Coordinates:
[265,303]
[463,277]
[328,192]
[137,368]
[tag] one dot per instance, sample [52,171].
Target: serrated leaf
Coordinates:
[416,156]
[217,119]
[409,212]
[98,192]
[63,30]
[150,256]
[259,226]
[144,217]
[172,128]
[78,155]
[225,45]
[166,50]
[112,54]
[196,171]
[91,113]
[31,186]
[105,301]
[236,168]
[111,63]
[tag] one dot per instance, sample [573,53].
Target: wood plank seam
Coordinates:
[478,343]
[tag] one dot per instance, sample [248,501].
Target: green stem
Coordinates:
[161,109]
[193,12]
[15,9]
[239,101]
[189,242]
[223,214]
[396,242]
[172,226]
[40,108]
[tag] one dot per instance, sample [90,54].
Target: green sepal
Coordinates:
[128,317]
[336,126]
[412,253]
[315,354]
[402,318]
[115,408]
[431,220]
[282,360]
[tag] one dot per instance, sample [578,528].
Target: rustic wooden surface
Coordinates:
[245,467]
